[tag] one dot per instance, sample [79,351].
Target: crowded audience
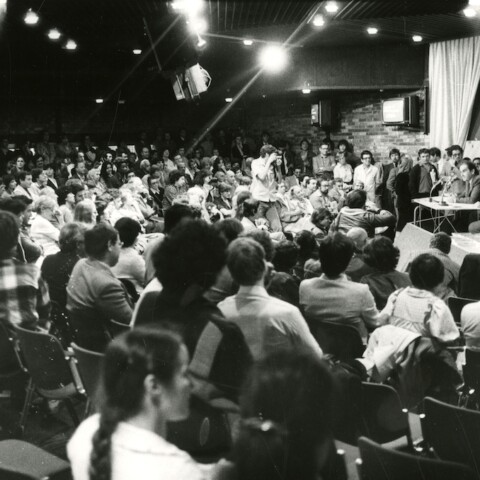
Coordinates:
[221,259]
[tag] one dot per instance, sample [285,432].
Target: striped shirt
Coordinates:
[24,298]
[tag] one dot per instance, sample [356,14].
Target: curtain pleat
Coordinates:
[454,74]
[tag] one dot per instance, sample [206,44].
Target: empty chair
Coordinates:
[24,461]
[382,417]
[456,304]
[380,463]
[452,432]
[89,365]
[342,341]
[53,373]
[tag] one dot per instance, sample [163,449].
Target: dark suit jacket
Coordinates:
[414,183]
[471,195]
[94,297]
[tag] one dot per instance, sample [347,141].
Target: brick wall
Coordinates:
[286,117]
[359,120]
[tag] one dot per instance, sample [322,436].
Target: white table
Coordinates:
[441,212]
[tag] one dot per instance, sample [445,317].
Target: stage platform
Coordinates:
[413,240]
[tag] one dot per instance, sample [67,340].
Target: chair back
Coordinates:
[130,288]
[452,432]
[89,365]
[341,341]
[380,463]
[382,417]
[9,360]
[117,328]
[456,304]
[471,370]
[45,359]
[89,331]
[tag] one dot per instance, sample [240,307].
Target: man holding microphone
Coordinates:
[266,172]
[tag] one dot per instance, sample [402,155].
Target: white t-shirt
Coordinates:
[136,454]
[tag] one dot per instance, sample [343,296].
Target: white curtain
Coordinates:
[454,73]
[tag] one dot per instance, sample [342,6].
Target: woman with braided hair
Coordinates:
[144,386]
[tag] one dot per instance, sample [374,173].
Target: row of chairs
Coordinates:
[453,440]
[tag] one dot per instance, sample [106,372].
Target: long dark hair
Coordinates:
[286,417]
[128,360]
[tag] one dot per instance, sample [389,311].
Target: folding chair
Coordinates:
[89,364]
[382,417]
[456,304]
[380,463]
[452,433]
[341,341]
[52,371]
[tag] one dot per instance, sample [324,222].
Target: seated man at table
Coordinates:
[334,298]
[470,193]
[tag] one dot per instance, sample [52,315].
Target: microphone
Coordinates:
[435,185]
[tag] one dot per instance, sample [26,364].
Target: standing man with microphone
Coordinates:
[266,173]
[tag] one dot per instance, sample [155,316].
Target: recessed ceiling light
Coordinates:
[469,12]
[31,18]
[318,21]
[331,7]
[229,99]
[417,38]
[247,42]
[70,45]
[99,100]
[54,34]
[306,90]
[137,51]
[372,30]
[121,101]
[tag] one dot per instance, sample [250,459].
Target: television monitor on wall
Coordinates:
[401,111]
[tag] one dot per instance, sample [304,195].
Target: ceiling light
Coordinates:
[469,12]
[247,42]
[70,45]
[474,3]
[54,34]
[372,30]
[31,18]
[318,21]
[3,6]
[417,38]
[331,7]
[100,100]
[273,58]
[136,51]
[198,25]
[229,99]
[201,42]
[306,90]
[121,101]
[189,7]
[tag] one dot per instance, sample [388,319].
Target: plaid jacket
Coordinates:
[24,298]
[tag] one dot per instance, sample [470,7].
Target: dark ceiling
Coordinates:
[106,31]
